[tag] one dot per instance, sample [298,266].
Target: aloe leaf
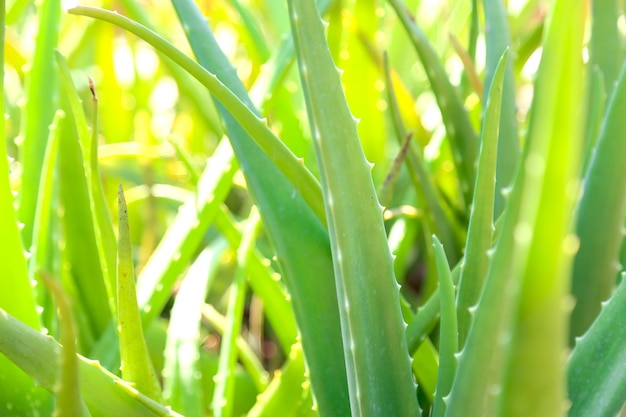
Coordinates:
[596,374]
[181,374]
[303,258]
[518,330]
[222,404]
[17,391]
[45,235]
[105,235]
[38,113]
[136,366]
[449,339]
[69,401]
[293,169]
[539,334]
[102,227]
[372,326]
[480,229]
[81,248]
[105,394]
[497,40]
[462,137]
[596,264]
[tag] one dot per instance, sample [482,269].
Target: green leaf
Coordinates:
[102,227]
[39,111]
[136,366]
[480,229]
[17,391]
[105,394]
[80,247]
[372,326]
[46,232]
[596,264]
[449,336]
[497,42]
[596,372]
[518,330]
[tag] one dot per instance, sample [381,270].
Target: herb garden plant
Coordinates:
[301,208]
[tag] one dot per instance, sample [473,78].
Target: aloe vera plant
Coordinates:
[247,265]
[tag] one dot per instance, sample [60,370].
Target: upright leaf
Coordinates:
[449,337]
[497,40]
[377,363]
[518,331]
[596,264]
[39,111]
[480,230]
[136,366]
[17,390]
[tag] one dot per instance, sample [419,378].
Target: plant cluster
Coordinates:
[326,208]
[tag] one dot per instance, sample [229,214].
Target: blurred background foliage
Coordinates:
[148,107]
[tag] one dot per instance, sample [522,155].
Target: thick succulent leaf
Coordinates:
[136,365]
[40,86]
[596,372]
[596,264]
[480,230]
[371,321]
[497,41]
[519,326]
